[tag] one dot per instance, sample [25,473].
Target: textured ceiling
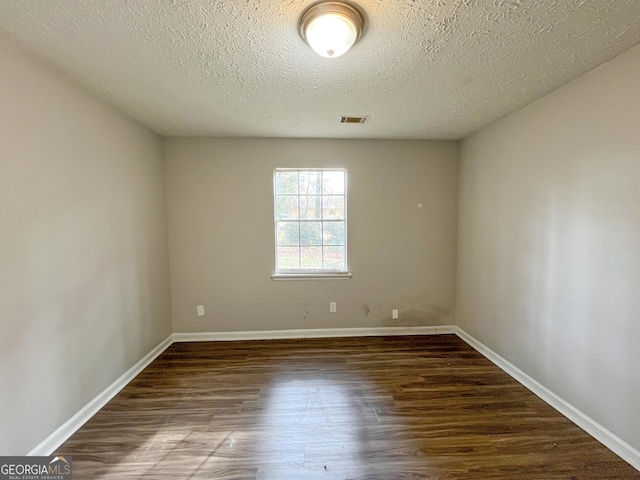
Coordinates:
[425,69]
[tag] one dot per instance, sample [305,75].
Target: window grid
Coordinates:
[326,188]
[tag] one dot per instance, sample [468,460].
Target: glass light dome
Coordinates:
[331,28]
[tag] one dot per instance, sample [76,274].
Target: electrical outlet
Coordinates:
[332,307]
[200,309]
[394,314]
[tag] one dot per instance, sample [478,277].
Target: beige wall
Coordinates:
[220,204]
[549,242]
[84,290]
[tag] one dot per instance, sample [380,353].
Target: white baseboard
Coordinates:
[57,438]
[593,428]
[312,333]
[614,443]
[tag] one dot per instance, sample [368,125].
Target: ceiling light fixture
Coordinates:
[331,28]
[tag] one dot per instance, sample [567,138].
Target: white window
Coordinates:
[310,211]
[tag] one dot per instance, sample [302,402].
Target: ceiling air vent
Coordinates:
[354,119]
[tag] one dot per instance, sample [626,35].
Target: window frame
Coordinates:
[310,274]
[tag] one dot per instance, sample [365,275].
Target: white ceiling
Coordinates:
[425,69]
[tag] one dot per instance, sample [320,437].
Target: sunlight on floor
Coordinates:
[313,420]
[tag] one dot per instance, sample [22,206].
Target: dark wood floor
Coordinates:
[348,408]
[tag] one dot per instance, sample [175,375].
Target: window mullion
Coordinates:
[299,230]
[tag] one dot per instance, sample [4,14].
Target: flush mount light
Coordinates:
[331,28]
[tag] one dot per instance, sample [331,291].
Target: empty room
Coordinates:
[320,240]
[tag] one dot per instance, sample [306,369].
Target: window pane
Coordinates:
[288,257]
[334,258]
[288,233]
[286,182]
[333,207]
[310,183]
[333,182]
[311,257]
[310,207]
[311,233]
[310,213]
[333,233]
[287,208]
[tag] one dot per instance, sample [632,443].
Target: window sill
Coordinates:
[311,276]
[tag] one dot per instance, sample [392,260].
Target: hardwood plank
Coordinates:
[335,408]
